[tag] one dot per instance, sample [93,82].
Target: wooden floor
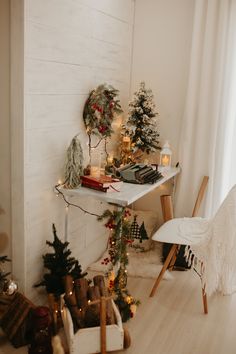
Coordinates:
[172,322]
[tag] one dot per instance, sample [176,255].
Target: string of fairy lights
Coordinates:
[120,236]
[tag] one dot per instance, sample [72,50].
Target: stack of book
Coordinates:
[102,183]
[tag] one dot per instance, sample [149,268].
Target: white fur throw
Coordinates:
[143,264]
[218,250]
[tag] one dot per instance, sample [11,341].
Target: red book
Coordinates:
[98,188]
[104,183]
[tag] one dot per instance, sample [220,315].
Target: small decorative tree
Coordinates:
[74,164]
[59,263]
[141,126]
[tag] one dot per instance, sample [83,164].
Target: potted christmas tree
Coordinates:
[59,264]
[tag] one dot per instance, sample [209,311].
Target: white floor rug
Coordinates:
[143,264]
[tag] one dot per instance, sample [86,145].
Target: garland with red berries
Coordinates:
[120,238]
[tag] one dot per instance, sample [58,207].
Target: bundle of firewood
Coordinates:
[82,300]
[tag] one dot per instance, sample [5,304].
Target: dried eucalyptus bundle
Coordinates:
[74,164]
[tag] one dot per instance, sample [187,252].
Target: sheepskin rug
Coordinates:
[141,264]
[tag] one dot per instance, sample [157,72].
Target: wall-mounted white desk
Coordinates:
[129,192]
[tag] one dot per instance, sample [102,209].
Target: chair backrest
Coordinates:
[200,196]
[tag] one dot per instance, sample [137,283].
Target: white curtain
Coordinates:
[208,135]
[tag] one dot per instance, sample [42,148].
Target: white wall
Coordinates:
[5,195]
[162,39]
[66,48]
[70,47]
[161,53]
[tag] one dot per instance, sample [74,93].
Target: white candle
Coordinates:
[95,171]
[110,160]
[126,143]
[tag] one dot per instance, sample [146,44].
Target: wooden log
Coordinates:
[81,289]
[76,313]
[93,293]
[92,313]
[100,282]
[68,284]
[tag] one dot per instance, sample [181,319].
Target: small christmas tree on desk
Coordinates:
[141,124]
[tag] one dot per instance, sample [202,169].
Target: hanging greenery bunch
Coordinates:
[120,236]
[141,124]
[59,264]
[99,110]
[74,164]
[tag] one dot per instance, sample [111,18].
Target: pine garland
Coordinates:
[120,237]
[141,126]
[74,164]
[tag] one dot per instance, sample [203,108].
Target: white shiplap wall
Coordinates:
[71,46]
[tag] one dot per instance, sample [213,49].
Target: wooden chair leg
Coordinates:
[164,268]
[204,300]
[173,260]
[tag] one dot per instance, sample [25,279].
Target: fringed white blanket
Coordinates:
[216,249]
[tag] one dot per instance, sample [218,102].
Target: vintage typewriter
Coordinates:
[139,173]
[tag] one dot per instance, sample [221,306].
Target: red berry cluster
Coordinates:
[127,213]
[110,224]
[106,260]
[111,284]
[129,242]
[97,108]
[102,129]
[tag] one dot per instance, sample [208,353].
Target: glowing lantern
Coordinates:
[165,157]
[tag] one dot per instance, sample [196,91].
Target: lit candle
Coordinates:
[126,143]
[110,160]
[95,171]
[165,160]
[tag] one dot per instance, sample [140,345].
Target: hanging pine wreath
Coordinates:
[99,110]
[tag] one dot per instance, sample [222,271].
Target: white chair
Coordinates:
[211,247]
[168,234]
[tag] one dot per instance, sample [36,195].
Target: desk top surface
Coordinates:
[128,194]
